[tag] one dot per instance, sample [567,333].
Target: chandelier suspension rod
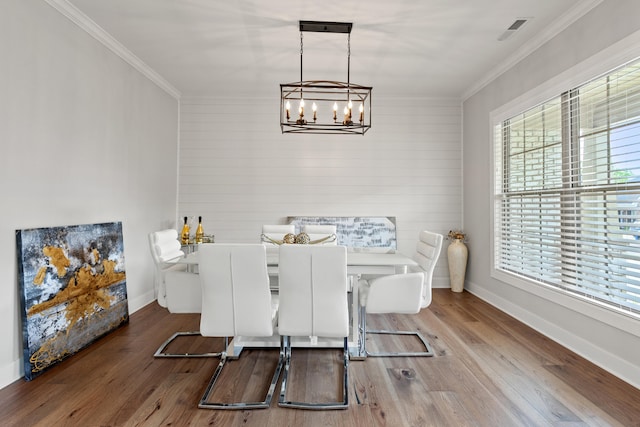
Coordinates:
[348,63]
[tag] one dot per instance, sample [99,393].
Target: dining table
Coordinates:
[359,263]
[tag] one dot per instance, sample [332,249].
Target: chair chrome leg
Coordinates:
[285,351]
[363,331]
[345,376]
[203,404]
[286,344]
[427,353]
[160,352]
[360,351]
[212,383]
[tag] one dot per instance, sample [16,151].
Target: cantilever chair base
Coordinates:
[362,345]
[239,405]
[160,352]
[286,345]
[427,353]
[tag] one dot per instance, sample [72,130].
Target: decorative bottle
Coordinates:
[184,236]
[199,231]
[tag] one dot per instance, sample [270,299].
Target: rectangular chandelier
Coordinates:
[323,106]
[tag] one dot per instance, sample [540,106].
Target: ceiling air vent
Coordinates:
[517,24]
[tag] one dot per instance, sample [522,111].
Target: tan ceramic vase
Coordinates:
[457,254]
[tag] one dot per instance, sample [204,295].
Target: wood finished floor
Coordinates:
[489,370]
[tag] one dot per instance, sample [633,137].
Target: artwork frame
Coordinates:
[73,290]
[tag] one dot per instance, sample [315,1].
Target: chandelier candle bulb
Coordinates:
[361,113]
[288,109]
[335,111]
[347,117]
[314,107]
[301,109]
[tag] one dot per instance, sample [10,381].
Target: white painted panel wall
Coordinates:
[577,325]
[239,171]
[85,139]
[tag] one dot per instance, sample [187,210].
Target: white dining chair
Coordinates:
[165,247]
[323,234]
[313,303]
[402,294]
[177,289]
[428,251]
[236,300]
[272,234]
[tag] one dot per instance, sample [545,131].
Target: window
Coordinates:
[567,191]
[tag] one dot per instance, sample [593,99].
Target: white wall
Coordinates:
[239,171]
[610,341]
[85,139]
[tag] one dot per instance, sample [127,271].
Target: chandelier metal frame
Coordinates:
[329,95]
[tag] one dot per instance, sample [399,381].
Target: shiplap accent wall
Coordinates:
[238,171]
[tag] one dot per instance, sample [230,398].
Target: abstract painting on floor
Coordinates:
[73,290]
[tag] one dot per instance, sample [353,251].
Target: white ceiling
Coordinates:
[403,48]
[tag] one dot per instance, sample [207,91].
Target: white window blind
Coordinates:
[567,191]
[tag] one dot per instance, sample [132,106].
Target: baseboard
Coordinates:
[137,303]
[440,282]
[11,373]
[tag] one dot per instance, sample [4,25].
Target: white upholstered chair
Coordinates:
[324,234]
[313,303]
[176,289]
[400,293]
[427,253]
[272,233]
[236,300]
[164,248]
[275,232]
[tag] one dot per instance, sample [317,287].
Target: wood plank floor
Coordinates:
[489,370]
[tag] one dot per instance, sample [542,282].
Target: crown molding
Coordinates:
[549,32]
[97,32]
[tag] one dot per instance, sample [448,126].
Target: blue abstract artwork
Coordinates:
[73,290]
[358,233]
